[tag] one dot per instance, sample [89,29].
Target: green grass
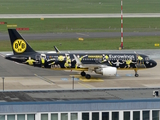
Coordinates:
[77,6]
[85,25]
[89,44]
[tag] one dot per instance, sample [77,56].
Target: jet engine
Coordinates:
[108,71]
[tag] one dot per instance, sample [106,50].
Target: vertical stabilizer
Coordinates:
[18,43]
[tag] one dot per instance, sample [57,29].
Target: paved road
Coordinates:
[52,36]
[116,15]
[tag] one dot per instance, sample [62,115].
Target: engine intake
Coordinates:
[108,71]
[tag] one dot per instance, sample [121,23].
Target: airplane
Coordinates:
[105,64]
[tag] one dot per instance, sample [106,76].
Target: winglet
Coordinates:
[77,60]
[56,49]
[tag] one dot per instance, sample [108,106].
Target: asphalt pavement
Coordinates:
[55,36]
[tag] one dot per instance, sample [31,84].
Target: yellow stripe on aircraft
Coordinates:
[76,69]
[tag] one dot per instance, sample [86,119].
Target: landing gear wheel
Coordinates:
[136,75]
[88,76]
[83,73]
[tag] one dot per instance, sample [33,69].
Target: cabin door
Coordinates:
[140,62]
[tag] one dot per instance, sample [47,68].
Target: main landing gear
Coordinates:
[88,76]
[136,74]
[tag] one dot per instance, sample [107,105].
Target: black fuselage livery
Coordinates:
[101,63]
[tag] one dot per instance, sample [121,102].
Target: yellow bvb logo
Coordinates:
[19,46]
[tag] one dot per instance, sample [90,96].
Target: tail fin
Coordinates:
[18,43]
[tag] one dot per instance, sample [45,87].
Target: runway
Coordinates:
[115,15]
[24,77]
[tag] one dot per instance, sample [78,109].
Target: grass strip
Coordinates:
[77,6]
[89,44]
[59,25]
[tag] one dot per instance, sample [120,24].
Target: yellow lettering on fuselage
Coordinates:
[94,56]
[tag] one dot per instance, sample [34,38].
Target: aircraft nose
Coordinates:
[153,63]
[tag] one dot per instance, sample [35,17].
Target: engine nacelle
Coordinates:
[108,71]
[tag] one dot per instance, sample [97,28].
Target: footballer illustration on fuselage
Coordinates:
[101,63]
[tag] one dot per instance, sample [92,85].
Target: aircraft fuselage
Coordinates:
[67,60]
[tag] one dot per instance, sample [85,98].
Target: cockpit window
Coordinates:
[146,58]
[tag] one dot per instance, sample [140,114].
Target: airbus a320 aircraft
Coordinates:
[101,63]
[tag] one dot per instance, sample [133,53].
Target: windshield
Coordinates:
[147,58]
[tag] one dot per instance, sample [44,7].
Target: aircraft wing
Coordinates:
[89,66]
[93,66]
[97,68]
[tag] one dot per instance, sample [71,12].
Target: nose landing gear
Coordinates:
[136,74]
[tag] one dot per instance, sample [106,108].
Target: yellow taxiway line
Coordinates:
[86,86]
[92,79]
